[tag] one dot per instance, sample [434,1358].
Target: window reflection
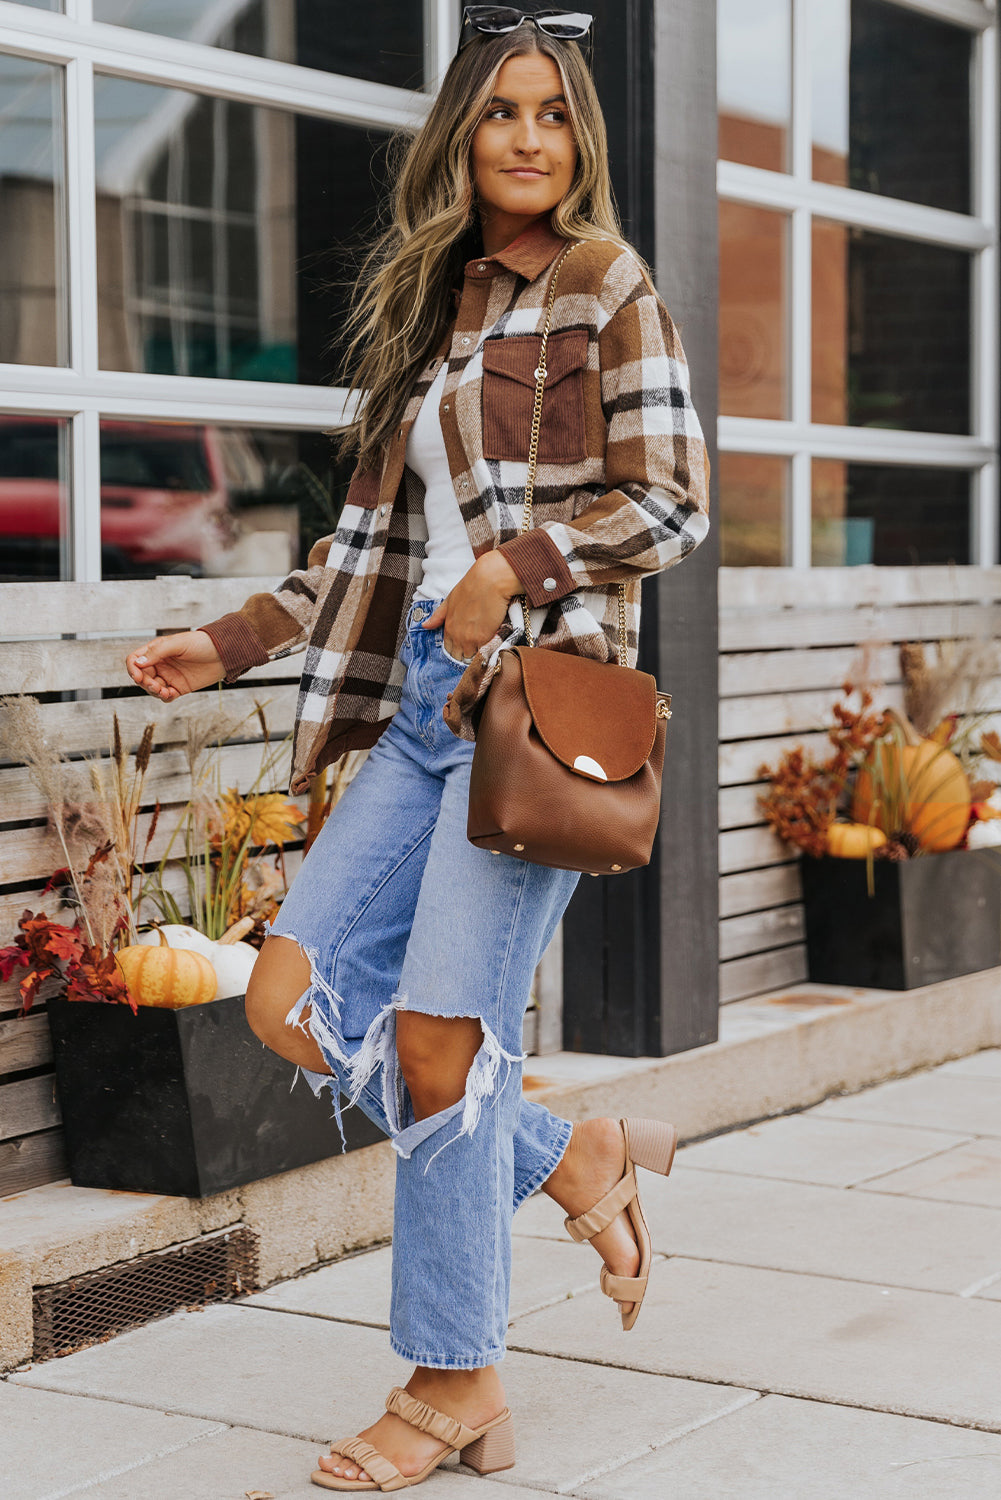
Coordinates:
[196,498]
[752,311]
[754,81]
[889,514]
[891,102]
[891,342]
[32,238]
[383,43]
[224,232]
[34,534]
[753,490]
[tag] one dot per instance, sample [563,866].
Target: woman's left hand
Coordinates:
[474,610]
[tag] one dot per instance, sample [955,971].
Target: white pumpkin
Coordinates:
[232,963]
[176,935]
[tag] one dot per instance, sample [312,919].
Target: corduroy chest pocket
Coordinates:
[509,365]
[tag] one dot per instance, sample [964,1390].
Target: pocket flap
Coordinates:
[517,355]
[596,717]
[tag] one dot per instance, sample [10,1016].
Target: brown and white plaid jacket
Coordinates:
[621,491]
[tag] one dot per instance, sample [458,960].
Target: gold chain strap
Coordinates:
[541,373]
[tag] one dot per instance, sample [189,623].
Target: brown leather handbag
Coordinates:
[569,752]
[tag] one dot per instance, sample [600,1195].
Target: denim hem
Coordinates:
[444,1362]
[548,1168]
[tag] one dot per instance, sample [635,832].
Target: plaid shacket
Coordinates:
[621,491]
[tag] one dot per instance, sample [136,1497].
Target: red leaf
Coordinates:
[31,984]
[14,957]
[64,942]
[57,878]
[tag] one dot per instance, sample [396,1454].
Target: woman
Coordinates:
[400,965]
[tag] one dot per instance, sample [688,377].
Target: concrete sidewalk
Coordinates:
[827,1327]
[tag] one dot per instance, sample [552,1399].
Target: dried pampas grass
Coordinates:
[952,683]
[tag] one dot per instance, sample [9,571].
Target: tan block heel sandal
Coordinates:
[486,1449]
[650,1144]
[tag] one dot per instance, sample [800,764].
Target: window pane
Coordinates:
[889,514]
[752,311]
[32,240]
[226,233]
[754,81]
[34,532]
[891,332]
[383,42]
[43,4]
[187,497]
[891,102]
[753,506]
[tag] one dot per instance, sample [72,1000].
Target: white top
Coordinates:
[449,554]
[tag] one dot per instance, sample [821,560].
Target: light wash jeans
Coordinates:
[395,908]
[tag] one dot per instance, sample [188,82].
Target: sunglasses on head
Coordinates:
[495,20]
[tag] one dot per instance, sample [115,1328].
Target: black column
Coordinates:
[641,953]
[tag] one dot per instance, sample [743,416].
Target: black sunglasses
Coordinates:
[495,20]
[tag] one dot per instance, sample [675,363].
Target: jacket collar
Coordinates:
[529,255]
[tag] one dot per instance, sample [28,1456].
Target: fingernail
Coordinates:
[141,660]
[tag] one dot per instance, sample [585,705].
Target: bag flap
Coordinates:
[595,713]
[517,355]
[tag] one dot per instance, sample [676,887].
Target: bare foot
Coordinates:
[592,1164]
[475,1397]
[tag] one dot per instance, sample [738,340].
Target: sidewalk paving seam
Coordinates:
[848,1187]
[746,1398]
[756,1265]
[171,1411]
[917,1162]
[759,1389]
[149,1458]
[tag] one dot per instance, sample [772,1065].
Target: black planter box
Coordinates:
[183,1102]
[930,918]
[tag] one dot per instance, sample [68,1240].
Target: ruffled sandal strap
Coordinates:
[429,1419]
[623,1288]
[376,1465]
[604,1211]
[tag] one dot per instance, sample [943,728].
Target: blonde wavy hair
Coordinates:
[402,300]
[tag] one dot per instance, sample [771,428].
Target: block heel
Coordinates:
[493,1451]
[650,1144]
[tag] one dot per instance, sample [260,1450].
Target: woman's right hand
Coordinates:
[171,665]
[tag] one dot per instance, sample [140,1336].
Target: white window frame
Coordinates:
[800,198]
[81,391]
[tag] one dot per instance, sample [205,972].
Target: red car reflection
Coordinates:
[164,504]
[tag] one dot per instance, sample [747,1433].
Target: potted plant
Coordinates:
[163,1088]
[899,827]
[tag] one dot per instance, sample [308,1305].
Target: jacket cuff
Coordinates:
[540,565]
[238,646]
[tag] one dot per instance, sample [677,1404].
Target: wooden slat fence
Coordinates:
[66,644]
[788,640]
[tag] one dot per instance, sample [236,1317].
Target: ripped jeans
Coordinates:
[395,908]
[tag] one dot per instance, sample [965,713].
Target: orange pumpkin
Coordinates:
[853,840]
[167,977]
[914,785]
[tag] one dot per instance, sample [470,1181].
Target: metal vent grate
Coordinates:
[90,1308]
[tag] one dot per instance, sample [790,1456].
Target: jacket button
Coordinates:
[382,510]
[549,584]
[446,407]
[481,267]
